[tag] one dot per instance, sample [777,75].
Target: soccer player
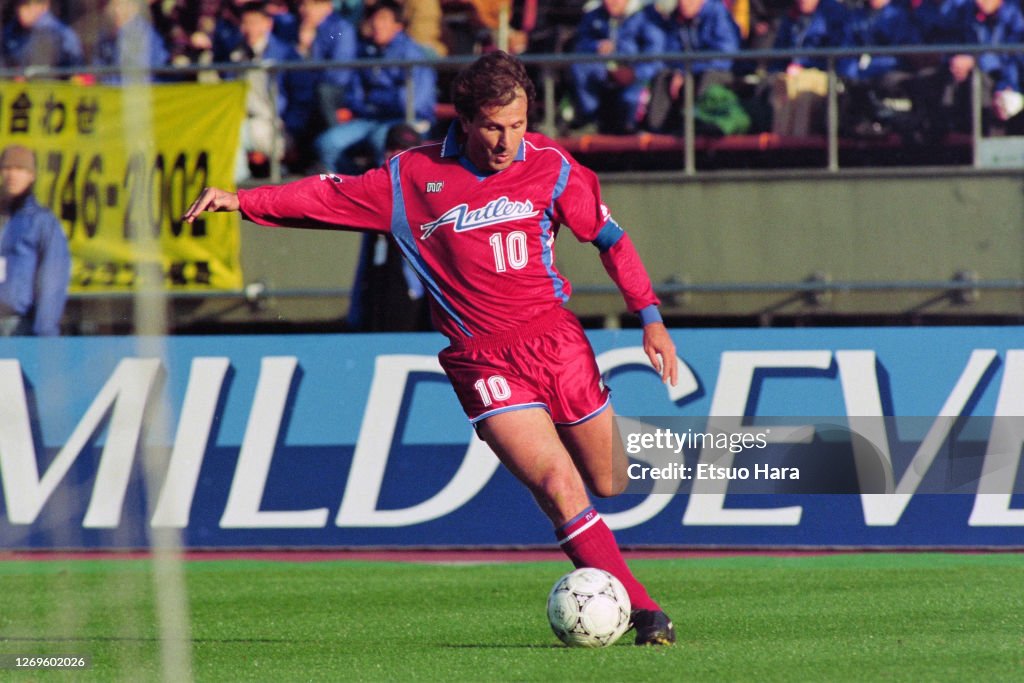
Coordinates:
[476,215]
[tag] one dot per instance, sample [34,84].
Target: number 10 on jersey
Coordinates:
[510,253]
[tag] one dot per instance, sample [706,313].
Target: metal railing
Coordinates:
[961,286]
[552,66]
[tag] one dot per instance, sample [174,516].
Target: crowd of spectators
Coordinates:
[920,98]
[323,117]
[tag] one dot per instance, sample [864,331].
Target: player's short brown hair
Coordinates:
[490,81]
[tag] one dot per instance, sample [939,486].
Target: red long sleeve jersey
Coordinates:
[483,244]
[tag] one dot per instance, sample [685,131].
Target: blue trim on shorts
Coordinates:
[522,406]
[506,409]
[607,402]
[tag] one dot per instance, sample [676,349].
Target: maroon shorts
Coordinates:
[547,363]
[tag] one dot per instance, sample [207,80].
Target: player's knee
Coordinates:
[558,482]
[559,488]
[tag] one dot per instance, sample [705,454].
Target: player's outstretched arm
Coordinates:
[661,350]
[211,199]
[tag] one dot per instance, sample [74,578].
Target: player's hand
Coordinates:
[661,350]
[211,199]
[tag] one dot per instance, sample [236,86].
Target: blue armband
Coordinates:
[608,236]
[649,314]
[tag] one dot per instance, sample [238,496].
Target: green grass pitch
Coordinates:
[846,617]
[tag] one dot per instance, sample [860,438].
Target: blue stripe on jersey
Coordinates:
[547,238]
[469,166]
[407,243]
[608,236]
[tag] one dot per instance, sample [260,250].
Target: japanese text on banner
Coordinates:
[119,166]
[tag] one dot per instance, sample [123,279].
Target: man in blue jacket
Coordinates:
[875,101]
[130,43]
[945,95]
[609,93]
[799,85]
[376,97]
[35,265]
[877,23]
[936,20]
[811,24]
[692,26]
[324,35]
[279,104]
[37,38]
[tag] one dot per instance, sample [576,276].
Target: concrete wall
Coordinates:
[851,228]
[771,228]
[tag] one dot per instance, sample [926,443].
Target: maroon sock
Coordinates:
[588,542]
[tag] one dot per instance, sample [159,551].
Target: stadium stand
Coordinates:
[632,151]
[766,155]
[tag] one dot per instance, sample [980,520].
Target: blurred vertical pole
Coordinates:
[548,85]
[279,141]
[976,130]
[504,17]
[410,96]
[689,129]
[832,116]
[150,315]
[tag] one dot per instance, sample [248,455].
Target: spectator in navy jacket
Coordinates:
[875,101]
[376,97]
[692,26]
[34,37]
[35,265]
[877,23]
[130,43]
[800,84]
[608,93]
[324,35]
[991,22]
[278,103]
[945,95]
[936,20]
[811,24]
[223,34]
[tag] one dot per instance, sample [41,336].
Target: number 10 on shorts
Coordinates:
[494,388]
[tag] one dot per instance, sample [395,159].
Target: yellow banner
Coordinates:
[119,165]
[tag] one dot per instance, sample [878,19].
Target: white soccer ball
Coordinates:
[588,607]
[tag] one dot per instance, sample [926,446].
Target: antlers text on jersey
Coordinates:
[496,211]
